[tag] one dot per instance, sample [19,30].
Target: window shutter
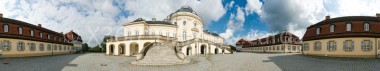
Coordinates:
[352,45]
[334,45]
[362,45]
[344,45]
[328,45]
[370,45]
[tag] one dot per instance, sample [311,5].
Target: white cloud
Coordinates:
[208,10]
[92,19]
[235,23]
[253,6]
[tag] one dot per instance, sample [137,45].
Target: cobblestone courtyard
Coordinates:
[220,62]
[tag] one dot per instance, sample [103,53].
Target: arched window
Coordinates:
[195,25]
[184,35]
[55,47]
[305,46]
[42,47]
[348,27]
[5,28]
[366,26]
[348,45]
[367,45]
[7,45]
[318,31]
[184,22]
[137,32]
[19,30]
[48,47]
[31,33]
[32,47]
[60,47]
[317,46]
[332,28]
[20,46]
[331,46]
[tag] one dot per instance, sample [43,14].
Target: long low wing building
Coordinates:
[21,39]
[284,42]
[349,36]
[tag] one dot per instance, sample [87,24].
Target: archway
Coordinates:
[133,48]
[223,51]
[216,51]
[111,49]
[188,50]
[122,48]
[203,49]
[146,44]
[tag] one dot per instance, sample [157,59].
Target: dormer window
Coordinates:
[348,27]
[20,30]
[332,28]
[366,26]
[40,34]
[31,33]
[318,31]
[5,28]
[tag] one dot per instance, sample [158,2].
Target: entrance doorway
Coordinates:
[203,49]
[134,48]
[188,50]
[111,49]
[216,51]
[122,48]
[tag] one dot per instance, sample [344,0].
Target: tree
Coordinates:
[97,48]
[103,44]
[233,47]
[85,47]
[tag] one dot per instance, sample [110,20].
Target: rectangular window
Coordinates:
[19,30]
[5,28]
[318,31]
[48,36]
[31,33]
[137,33]
[40,34]
[129,33]
[366,45]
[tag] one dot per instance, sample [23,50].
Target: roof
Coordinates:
[17,22]
[159,22]
[346,19]
[211,33]
[186,9]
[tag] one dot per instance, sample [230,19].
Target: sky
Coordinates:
[231,19]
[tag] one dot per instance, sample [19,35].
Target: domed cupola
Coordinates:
[186,9]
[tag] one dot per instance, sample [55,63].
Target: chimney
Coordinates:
[378,15]
[153,19]
[39,25]
[1,15]
[327,17]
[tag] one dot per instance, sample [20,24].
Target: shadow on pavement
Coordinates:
[40,63]
[300,62]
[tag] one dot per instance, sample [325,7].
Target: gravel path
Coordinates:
[219,62]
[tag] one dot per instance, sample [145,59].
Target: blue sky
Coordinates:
[231,19]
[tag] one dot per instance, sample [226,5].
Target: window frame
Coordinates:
[332,28]
[41,47]
[366,48]
[20,46]
[20,30]
[317,47]
[346,47]
[348,26]
[331,45]
[6,28]
[318,30]
[366,26]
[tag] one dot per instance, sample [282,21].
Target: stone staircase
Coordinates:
[160,53]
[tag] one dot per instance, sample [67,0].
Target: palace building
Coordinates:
[21,39]
[349,36]
[284,42]
[183,27]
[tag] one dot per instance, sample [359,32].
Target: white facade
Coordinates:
[183,25]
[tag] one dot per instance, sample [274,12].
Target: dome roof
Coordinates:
[186,9]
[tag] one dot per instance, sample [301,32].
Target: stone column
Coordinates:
[107,49]
[116,50]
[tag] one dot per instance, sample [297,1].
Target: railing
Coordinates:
[141,37]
